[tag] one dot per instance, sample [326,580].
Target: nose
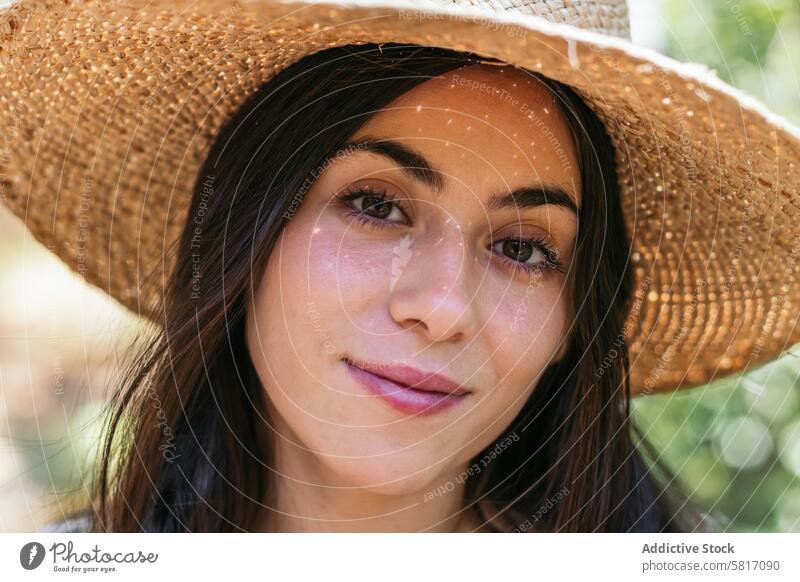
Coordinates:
[431,288]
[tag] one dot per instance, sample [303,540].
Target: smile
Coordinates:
[403,398]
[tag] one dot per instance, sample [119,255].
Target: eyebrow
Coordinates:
[416,167]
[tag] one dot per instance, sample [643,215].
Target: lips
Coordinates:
[407,389]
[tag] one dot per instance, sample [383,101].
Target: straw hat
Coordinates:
[108,108]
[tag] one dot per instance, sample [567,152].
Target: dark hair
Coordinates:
[580,465]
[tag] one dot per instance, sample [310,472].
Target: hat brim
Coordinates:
[111,109]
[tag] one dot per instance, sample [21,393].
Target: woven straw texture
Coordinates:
[110,107]
[607,17]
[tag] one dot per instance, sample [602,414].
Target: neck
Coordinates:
[308,497]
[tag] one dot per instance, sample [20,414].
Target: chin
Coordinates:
[390,474]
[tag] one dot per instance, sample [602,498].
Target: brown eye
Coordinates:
[375,206]
[519,250]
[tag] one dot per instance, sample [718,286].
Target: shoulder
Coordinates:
[77,524]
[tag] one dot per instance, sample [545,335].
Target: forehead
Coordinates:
[482,124]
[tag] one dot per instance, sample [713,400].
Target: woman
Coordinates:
[375,266]
[398,303]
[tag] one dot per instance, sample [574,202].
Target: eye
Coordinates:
[373,206]
[531,255]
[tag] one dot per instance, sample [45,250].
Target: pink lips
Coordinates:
[431,393]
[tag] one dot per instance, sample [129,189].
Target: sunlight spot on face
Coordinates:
[469,127]
[449,220]
[547,111]
[316,230]
[449,121]
[419,107]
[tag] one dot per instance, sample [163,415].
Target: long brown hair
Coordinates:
[186,447]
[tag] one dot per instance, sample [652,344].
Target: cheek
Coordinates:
[319,283]
[523,335]
[347,274]
[527,328]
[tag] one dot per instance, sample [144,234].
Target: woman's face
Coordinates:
[450,275]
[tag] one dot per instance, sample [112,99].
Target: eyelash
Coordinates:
[372,222]
[551,254]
